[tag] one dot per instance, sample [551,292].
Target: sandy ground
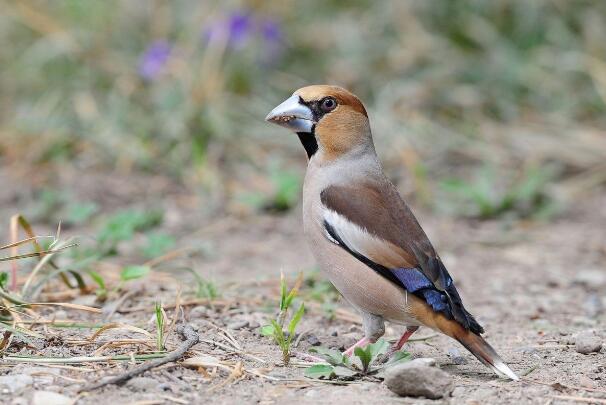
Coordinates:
[532,286]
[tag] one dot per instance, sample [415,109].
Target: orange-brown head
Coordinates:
[326,118]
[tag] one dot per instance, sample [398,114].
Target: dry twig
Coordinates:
[190,338]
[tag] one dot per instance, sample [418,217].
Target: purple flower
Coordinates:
[236,29]
[271,31]
[154,59]
[273,45]
[239,27]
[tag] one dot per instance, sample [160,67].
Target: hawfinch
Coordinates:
[363,235]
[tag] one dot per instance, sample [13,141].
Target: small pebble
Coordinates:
[528,350]
[198,312]
[354,328]
[592,278]
[313,340]
[587,341]
[593,306]
[417,379]
[15,382]
[88,300]
[586,382]
[237,325]
[50,398]
[456,356]
[459,391]
[142,384]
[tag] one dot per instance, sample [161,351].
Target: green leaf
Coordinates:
[378,348]
[282,292]
[267,330]
[78,213]
[320,371]
[158,244]
[291,295]
[278,333]
[159,327]
[3,279]
[97,278]
[364,355]
[134,272]
[334,357]
[287,186]
[292,326]
[399,357]
[342,371]
[124,224]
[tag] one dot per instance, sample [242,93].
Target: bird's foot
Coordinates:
[398,345]
[360,343]
[384,358]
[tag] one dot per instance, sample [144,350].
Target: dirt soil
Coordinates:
[532,286]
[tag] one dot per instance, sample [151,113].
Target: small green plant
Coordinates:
[157,244]
[206,289]
[276,328]
[159,326]
[321,290]
[123,225]
[525,197]
[364,363]
[100,281]
[3,280]
[286,189]
[79,212]
[285,186]
[134,272]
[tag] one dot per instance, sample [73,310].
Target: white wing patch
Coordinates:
[360,241]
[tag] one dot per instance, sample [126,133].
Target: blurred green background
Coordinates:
[480,108]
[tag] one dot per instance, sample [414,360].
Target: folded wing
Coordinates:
[374,224]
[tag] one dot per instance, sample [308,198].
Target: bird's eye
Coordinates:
[328,104]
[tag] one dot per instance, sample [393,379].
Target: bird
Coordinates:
[363,236]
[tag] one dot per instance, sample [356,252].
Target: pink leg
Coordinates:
[398,345]
[360,343]
[409,331]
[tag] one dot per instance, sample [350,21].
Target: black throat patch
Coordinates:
[309,142]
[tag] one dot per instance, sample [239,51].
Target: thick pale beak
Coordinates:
[293,115]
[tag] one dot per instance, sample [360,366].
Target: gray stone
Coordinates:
[593,306]
[313,340]
[50,398]
[253,324]
[15,382]
[591,278]
[237,325]
[142,384]
[423,361]
[483,395]
[587,341]
[198,312]
[88,300]
[417,379]
[527,350]
[459,392]
[456,356]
